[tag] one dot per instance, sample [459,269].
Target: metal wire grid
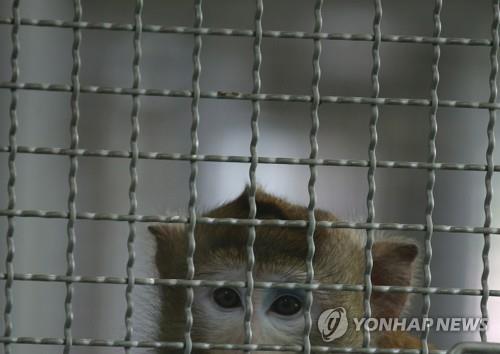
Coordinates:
[134,148]
[257,52]
[370,198]
[188,346]
[75,116]
[256,96]
[489,159]
[431,179]
[9,262]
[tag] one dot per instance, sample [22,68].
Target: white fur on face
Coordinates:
[223,325]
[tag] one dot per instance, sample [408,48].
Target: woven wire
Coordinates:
[73,188]
[246,159]
[431,177]
[370,198]
[233,32]
[489,160]
[149,281]
[315,99]
[454,229]
[134,148]
[9,259]
[209,346]
[313,141]
[232,95]
[193,194]
[257,61]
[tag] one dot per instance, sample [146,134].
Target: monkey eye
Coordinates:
[286,305]
[227,298]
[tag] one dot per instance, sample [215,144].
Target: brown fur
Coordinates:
[339,258]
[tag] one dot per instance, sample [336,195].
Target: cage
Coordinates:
[120,114]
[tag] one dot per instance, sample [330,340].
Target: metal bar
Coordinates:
[489,161]
[241,284]
[134,148]
[193,194]
[257,61]
[247,222]
[370,198]
[313,142]
[475,348]
[91,342]
[73,170]
[235,95]
[11,192]
[233,32]
[446,166]
[431,176]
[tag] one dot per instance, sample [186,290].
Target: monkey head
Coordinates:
[280,253]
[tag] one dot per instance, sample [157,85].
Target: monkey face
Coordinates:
[278,314]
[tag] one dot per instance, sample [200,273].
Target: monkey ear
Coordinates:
[163,232]
[170,248]
[394,263]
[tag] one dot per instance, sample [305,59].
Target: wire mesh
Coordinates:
[370,199]
[12,175]
[315,99]
[192,177]
[75,117]
[252,190]
[432,173]
[489,160]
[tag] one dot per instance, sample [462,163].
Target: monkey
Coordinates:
[280,253]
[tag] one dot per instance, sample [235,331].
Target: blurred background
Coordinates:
[44,119]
